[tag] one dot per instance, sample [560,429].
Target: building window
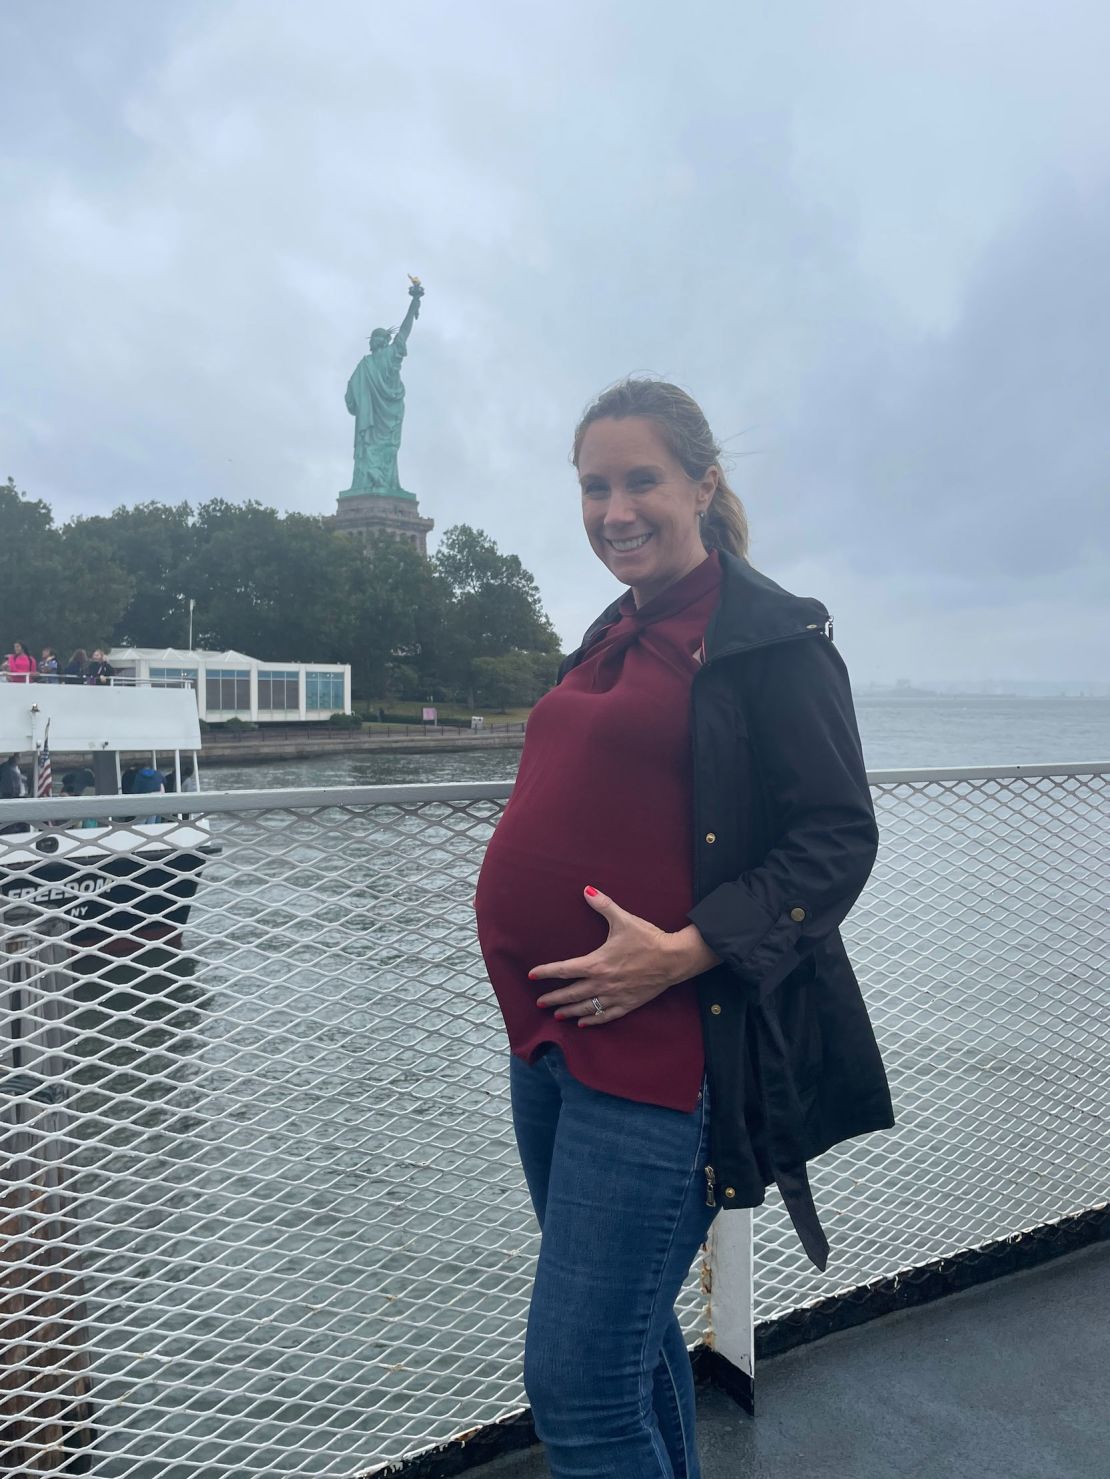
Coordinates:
[227,690]
[279,690]
[323,691]
[173,677]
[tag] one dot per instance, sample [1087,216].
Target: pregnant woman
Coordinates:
[658,910]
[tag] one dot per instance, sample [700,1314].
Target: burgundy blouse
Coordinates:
[604,797]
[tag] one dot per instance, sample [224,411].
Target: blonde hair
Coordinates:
[686,432]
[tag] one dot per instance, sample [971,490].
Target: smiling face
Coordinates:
[639,506]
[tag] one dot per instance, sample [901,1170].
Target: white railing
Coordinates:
[263,1214]
[117,680]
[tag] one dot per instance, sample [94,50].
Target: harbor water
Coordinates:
[897,733]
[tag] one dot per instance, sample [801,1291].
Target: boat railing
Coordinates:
[117,680]
[265,1211]
[126,681]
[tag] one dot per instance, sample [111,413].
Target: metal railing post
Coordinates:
[730,1292]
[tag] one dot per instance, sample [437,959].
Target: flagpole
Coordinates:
[44,775]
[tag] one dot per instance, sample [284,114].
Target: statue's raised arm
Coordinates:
[416,292]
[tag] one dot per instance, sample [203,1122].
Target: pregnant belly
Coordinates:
[531,908]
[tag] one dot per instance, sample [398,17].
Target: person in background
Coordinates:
[188,783]
[20,664]
[188,777]
[48,666]
[659,911]
[147,782]
[76,783]
[13,783]
[99,670]
[75,669]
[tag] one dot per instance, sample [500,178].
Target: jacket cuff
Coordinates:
[759,948]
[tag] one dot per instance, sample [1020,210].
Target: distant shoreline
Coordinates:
[254,750]
[926,693]
[860,694]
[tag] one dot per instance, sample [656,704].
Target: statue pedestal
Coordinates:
[364,514]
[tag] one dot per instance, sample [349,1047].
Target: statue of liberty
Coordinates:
[376,399]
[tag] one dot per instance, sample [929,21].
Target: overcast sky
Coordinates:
[872,239]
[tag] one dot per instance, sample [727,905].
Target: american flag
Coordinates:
[45,785]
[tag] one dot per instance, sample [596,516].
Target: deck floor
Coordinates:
[1004,1381]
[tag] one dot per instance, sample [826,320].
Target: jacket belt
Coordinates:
[784,1123]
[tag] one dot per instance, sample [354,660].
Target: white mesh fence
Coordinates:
[981,944]
[262,1211]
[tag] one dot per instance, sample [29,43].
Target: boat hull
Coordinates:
[115,902]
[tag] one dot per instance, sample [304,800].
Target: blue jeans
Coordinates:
[619,1192]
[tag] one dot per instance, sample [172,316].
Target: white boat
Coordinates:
[120,884]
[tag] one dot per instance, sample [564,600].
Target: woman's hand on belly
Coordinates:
[637,963]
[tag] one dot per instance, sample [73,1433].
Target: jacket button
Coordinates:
[797,915]
[715,1009]
[711,838]
[730,1191]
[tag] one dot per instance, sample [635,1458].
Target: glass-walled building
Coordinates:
[230,685]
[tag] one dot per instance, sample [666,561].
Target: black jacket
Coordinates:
[784,840]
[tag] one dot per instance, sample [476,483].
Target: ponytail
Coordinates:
[725,525]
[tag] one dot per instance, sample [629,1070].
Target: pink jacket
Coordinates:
[20,667]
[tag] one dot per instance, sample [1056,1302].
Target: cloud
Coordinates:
[870,242]
[979,452]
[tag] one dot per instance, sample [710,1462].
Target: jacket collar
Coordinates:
[753,612]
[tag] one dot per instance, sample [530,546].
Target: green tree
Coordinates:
[154,542]
[497,607]
[281,587]
[505,682]
[275,587]
[514,680]
[91,590]
[500,597]
[57,587]
[545,671]
[28,566]
[398,610]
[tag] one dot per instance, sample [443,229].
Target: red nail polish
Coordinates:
[531,975]
[591,892]
[559,1016]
